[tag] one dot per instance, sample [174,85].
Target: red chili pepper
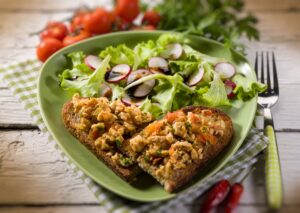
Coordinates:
[215,196]
[234,197]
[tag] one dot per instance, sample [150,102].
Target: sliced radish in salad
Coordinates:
[92,61]
[173,51]
[195,77]
[158,65]
[128,101]
[143,89]
[105,91]
[225,69]
[229,87]
[136,75]
[118,73]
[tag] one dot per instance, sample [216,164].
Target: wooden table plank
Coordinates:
[32,168]
[12,113]
[49,6]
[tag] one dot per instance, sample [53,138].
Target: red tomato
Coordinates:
[47,47]
[77,22]
[71,39]
[56,30]
[98,22]
[151,17]
[128,9]
[52,24]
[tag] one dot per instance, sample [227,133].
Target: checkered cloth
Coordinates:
[21,78]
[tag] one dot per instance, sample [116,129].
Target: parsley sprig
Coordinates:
[221,20]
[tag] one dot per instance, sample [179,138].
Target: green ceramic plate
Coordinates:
[51,99]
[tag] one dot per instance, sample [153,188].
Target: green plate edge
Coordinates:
[156,193]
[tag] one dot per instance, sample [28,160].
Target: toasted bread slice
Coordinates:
[102,126]
[174,148]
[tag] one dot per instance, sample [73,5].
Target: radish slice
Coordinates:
[128,101]
[158,64]
[143,89]
[136,75]
[173,51]
[225,69]
[105,91]
[92,61]
[118,73]
[229,87]
[196,77]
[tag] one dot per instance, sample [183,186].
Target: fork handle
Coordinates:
[272,169]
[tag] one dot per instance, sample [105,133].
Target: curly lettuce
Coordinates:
[245,88]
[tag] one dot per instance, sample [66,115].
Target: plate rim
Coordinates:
[89,174]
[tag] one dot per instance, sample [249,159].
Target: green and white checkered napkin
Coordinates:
[21,78]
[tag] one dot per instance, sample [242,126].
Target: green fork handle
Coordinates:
[273,171]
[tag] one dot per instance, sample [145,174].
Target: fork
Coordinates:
[267,99]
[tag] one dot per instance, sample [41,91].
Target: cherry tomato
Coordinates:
[56,30]
[144,27]
[77,22]
[98,22]
[71,39]
[151,17]
[128,9]
[47,47]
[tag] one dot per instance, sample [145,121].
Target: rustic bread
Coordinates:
[83,117]
[174,148]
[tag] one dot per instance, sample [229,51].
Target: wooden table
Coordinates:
[33,179]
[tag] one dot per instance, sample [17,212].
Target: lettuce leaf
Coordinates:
[87,85]
[166,89]
[154,108]
[117,91]
[143,51]
[77,58]
[216,94]
[183,68]
[245,88]
[169,38]
[120,54]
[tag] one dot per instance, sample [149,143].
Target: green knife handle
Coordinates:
[273,171]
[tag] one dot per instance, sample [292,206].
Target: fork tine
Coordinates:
[268,73]
[276,88]
[256,65]
[262,78]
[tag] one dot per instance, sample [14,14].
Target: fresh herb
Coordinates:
[125,161]
[118,143]
[158,152]
[220,20]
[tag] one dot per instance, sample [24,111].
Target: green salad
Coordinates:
[158,76]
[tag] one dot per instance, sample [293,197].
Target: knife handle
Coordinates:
[273,171]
